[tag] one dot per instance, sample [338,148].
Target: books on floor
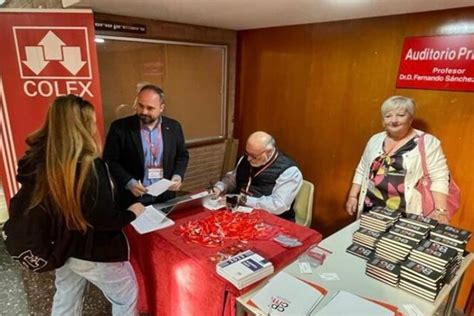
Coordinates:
[285,294]
[244,268]
[345,303]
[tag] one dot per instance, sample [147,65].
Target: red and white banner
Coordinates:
[44,54]
[437,63]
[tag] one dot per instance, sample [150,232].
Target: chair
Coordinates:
[303,206]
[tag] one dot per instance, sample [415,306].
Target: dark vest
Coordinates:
[263,183]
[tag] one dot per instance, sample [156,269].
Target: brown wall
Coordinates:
[318,89]
[186,33]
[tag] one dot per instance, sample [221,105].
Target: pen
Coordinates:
[140,183]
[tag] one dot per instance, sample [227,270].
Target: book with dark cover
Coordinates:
[385,266]
[368,232]
[420,221]
[429,249]
[390,214]
[451,233]
[460,247]
[405,234]
[360,251]
[404,242]
[413,228]
[421,271]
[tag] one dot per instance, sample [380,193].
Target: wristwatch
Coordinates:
[242,199]
[440,210]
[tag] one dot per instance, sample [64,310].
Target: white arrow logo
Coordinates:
[35,59]
[72,59]
[51,48]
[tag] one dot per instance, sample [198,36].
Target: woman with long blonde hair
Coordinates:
[69,179]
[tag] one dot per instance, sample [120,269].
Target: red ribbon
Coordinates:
[214,229]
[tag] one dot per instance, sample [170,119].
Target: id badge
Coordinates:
[155,173]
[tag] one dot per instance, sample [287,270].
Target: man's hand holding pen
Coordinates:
[138,189]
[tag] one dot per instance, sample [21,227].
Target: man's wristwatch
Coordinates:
[242,199]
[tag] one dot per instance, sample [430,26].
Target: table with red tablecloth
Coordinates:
[176,277]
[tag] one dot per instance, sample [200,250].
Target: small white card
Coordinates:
[159,187]
[244,209]
[155,173]
[412,310]
[329,276]
[305,267]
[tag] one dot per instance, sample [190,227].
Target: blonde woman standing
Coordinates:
[64,170]
[391,166]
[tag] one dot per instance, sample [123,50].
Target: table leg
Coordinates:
[451,302]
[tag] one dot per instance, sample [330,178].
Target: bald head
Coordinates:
[259,148]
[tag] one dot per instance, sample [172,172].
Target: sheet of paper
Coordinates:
[159,187]
[151,220]
[305,267]
[412,310]
[345,303]
[200,194]
[286,295]
[243,209]
[329,276]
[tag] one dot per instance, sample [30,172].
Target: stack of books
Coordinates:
[375,222]
[437,257]
[420,221]
[451,237]
[244,268]
[386,212]
[420,280]
[360,251]
[394,248]
[366,237]
[419,231]
[383,270]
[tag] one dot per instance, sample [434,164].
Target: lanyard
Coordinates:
[265,167]
[154,149]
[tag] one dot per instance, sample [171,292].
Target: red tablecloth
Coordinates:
[177,278]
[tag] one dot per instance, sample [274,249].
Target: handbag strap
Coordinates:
[421,148]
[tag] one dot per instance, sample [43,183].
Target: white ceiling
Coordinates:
[250,14]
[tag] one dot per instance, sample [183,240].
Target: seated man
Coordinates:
[265,177]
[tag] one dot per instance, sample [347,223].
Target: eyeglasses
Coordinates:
[255,157]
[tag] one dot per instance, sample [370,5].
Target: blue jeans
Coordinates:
[115,279]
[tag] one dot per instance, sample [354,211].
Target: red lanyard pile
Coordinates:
[214,229]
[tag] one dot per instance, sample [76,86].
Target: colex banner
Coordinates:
[437,63]
[44,54]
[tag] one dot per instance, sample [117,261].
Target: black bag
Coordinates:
[37,237]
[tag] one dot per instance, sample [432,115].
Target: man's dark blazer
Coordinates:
[123,152]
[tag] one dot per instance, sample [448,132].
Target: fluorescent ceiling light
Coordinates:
[97,39]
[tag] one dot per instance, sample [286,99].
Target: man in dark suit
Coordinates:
[143,148]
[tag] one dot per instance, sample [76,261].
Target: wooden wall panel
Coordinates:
[318,89]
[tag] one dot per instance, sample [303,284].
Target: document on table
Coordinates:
[151,220]
[345,303]
[159,187]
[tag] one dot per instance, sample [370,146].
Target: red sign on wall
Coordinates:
[45,54]
[437,63]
